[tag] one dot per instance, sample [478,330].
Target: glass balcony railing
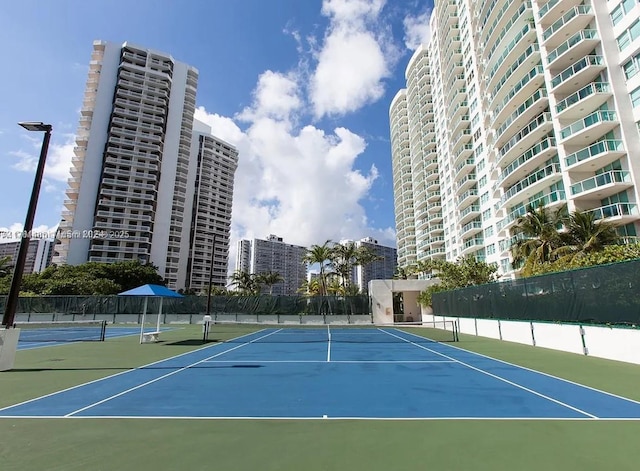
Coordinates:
[529,128]
[470,226]
[509,47]
[616,209]
[598,148]
[614,176]
[528,155]
[592,119]
[530,180]
[514,66]
[554,196]
[546,7]
[540,93]
[591,89]
[538,70]
[572,41]
[472,242]
[496,43]
[575,11]
[470,209]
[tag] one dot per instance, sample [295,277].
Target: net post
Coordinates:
[206,325]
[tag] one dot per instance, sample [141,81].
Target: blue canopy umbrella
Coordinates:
[147,291]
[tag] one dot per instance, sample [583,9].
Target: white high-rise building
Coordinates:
[144,185]
[243,260]
[514,104]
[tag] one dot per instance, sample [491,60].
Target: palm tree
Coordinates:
[244,282]
[403,273]
[342,260]
[585,234]
[320,254]
[269,278]
[539,236]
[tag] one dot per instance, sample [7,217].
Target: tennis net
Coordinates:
[417,332]
[63,331]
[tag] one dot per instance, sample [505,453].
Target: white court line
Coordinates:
[122,393]
[532,370]
[124,372]
[276,418]
[255,362]
[549,398]
[328,344]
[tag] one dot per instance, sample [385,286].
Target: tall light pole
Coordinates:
[213,251]
[14,291]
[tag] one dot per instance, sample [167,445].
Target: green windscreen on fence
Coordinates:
[605,294]
[82,307]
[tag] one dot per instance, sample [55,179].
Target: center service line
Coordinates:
[328,344]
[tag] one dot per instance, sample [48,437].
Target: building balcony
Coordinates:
[464,167]
[550,11]
[433,196]
[574,48]
[471,245]
[519,168]
[434,207]
[516,71]
[531,107]
[465,183]
[501,21]
[573,21]
[463,157]
[591,127]
[531,82]
[435,217]
[618,213]
[471,228]
[584,101]
[533,132]
[468,214]
[432,186]
[435,229]
[462,138]
[550,200]
[602,185]
[513,55]
[467,198]
[601,153]
[532,184]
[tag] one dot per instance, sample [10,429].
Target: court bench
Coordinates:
[150,336]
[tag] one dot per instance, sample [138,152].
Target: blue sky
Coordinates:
[301,87]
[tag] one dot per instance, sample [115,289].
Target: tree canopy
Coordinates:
[91,278]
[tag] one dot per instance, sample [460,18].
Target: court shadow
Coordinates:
[191,342]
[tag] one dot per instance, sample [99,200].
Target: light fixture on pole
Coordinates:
[14,291]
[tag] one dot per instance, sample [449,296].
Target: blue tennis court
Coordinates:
[48,336]
[364,373]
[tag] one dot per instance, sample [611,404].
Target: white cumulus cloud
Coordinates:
[417,29]
[354,58]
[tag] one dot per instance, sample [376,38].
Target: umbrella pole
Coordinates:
[159,315]
[144,314]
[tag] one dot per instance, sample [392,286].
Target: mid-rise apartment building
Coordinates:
[513,104]
[274,255]
[381,269]
[144,184]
